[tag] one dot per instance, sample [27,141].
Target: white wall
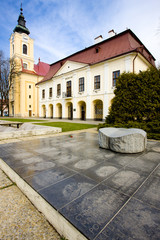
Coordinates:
[89,95]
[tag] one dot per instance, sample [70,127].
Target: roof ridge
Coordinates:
[118,45]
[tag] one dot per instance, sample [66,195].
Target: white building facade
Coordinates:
[84,89]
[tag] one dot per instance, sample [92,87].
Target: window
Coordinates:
[81,84]
[50,92]
[115,76]
[24,49]
[43,93]
[29,96]
[97,49]
[97,82]
[58,89]
[69,89]
[13,48]
[25,65]
[29,106]
[29,86]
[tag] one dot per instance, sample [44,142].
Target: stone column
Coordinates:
[106,90]
[74,94]
[89,92]
[63,108]
[47,110]
[54,109]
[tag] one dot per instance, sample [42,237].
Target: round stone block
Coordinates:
[123,140]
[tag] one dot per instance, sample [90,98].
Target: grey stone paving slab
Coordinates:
[92,211]
[150,192]
[49,177]
[156,149]
[4,151]
[151,144]
[54,153]
[83,163]
[157,172]
[135,221]
[102,171]
[152,156]
[25,162]
[33,169]
[67,190]
[126,180]
[124,159]
[67,159]
[144,165]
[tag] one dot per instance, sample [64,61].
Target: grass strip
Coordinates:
[67,126]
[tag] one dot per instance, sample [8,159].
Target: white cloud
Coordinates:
[62,27]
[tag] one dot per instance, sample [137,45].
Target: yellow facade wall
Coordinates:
[22,98]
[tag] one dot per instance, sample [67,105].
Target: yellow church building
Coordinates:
[23,95]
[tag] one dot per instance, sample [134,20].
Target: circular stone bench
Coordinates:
[123,140]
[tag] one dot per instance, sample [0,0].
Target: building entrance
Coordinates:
[82,113]
[30,113]
[98,110]
[70,112]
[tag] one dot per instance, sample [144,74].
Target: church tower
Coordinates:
[23,94]
[21,45]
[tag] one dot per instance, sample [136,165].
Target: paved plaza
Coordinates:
[103,194]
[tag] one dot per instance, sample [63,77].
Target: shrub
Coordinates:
[137,97]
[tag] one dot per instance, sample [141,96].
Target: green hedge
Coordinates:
[137,97]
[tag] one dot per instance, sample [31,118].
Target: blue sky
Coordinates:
[62,27]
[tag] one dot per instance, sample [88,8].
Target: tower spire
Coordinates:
[21,9]
[21,27]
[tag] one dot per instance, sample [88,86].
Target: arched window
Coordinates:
[24,49]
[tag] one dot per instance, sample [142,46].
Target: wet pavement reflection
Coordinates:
[102,193]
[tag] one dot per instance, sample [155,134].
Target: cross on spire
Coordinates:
[21,8]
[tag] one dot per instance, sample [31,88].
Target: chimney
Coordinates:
[111,33]
[98,39]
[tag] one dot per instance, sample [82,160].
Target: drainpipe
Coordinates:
[134,61]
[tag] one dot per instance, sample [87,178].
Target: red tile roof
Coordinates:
[40,69]
[120,44]
[28,71]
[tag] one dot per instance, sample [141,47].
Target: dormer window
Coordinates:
[97,49]
[24,49]
[61,63]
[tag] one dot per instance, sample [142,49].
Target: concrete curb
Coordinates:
[62,226]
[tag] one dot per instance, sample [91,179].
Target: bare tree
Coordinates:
[8,73]
[4,85]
